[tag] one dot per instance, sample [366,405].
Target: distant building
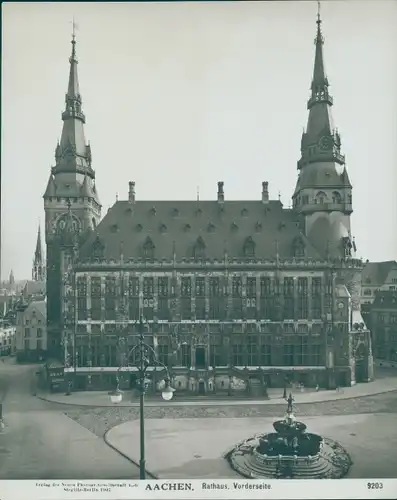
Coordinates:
[384,325]
[378,276]
[31,331]
[34,290]
[39,268]
[7,338]
[238,295]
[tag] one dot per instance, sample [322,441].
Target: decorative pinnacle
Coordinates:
[319,38]
[74,28]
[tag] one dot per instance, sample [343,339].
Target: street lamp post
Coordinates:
[144,351]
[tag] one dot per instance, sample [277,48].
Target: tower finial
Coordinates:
[319,37]
[74,28]
[198,193]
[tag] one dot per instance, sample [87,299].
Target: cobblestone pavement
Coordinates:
[100,420]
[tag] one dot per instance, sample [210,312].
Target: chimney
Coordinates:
[221,194]
[131,192]
[265,192]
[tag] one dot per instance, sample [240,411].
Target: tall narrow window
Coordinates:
[96,294]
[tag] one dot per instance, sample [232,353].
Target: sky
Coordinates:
[178,96]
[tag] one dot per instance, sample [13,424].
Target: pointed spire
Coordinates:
[38,254]
[72,154]
[320,81]
[320,141]
[38,270]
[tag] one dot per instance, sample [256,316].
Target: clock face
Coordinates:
[341,305]
[326,143]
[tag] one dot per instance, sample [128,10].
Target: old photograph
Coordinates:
[199,241]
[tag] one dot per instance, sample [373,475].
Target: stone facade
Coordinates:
[236,296]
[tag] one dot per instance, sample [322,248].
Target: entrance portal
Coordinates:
[200,357]
[201,388]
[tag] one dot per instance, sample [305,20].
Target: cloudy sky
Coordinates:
[180,95]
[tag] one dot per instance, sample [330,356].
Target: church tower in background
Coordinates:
[38,269]
[71,202]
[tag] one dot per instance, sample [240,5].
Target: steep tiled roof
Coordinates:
[181,226]
[34,288]
[385,300]
[375,273]
[39,305]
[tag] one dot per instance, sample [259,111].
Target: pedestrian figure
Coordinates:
[302,388]
[317,388]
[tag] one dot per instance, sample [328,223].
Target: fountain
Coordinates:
[290,452]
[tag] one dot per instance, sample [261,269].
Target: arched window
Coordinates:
[321,197]
[336,197]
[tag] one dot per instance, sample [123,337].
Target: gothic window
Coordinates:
[249,247]
[320,198]
[251,287]
[200,287]
[302,298]
[186,287]
[265,352]
[315,355]
[98,249]
[252,350]
[81,298]
[110,298]
[302,351]
[316,298]
[237,350]
[214,309]
[186,355]
[265,287]
[133,287]
[336,197]
[236,287]
[305,200]
[163,349]
[215,350]
[148,288]
[163,287]
[148,248]
[214,287]
[288,351]
[199,249]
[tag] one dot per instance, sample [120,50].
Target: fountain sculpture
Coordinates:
[290,452]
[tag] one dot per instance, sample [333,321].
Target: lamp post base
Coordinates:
[142,469]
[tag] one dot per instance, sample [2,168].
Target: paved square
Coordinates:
[193,448]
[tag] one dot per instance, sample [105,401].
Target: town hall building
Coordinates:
[236,296]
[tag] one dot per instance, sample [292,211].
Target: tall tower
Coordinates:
[38,269]
[323,193]
[70,198]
